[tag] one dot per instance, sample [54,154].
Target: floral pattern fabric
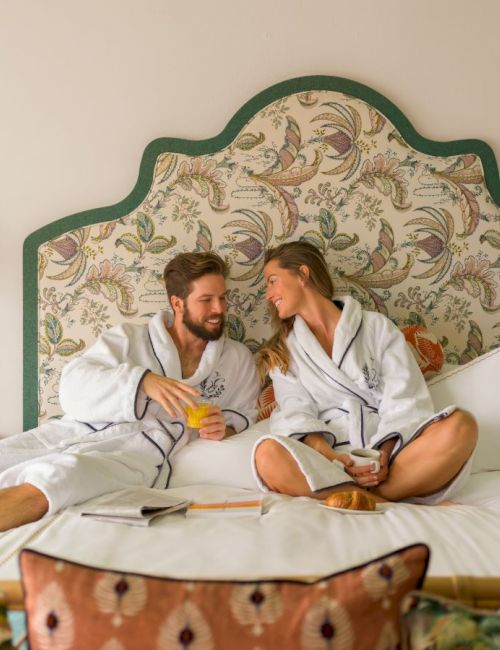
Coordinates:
[414,236]
[433,623]
[75,606]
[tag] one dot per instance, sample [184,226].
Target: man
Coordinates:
[124,401]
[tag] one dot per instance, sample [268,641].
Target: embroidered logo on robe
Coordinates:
[371,376]
[212,387]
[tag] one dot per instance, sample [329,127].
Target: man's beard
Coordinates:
[199,330]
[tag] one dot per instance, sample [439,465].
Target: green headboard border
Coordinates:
[209,146]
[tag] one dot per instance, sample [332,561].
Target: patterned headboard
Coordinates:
[410,227]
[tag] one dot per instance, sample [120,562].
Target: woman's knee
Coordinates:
[461,431]
[269,455]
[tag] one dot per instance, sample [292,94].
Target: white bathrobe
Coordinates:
[113,436]
[370,390]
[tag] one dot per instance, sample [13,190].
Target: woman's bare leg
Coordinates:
[20,505]
[279,471]
[432,460]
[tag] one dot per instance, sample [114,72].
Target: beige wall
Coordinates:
[86,85]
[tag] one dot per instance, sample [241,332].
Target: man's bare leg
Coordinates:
[20,505]
[279,471]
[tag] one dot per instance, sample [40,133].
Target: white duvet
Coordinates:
[295,537]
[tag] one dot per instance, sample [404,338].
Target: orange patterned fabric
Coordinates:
[426,348]
[74,606]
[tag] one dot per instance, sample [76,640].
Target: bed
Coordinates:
[409,226]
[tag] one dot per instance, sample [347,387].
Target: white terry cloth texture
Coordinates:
[319,472]
[95,463]
[114,436]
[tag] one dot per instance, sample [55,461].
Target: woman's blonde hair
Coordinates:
[291,256]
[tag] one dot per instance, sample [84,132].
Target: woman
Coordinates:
[345,378]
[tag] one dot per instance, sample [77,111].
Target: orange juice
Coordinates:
[194,416]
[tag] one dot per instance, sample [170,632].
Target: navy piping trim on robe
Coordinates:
[350,343]
[109,424]
[337,408]
[158,467]
[176,440]
[323,433]
[169,434]
[396,449]
[241,416]
[154,352]
[419,429]
[148,399]
[338,382]
[362,420]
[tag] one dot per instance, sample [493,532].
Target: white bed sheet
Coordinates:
[295,537]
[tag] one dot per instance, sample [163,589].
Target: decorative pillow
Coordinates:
[431,622]
[475,387]
[69,605]
[426,349]
[266,402]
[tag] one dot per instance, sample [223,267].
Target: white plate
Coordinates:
[345,511]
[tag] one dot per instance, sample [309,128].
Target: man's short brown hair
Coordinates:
[184,268]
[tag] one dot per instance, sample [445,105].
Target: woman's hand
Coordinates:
[363,475]
[345,459]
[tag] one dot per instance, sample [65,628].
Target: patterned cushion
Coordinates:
[430,622]
[266,402]
[75,606]
[426,348]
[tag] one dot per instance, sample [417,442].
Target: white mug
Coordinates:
[361,457]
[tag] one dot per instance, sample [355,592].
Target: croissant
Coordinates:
[353,500]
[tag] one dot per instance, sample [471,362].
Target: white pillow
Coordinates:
[475,387]
[208,462]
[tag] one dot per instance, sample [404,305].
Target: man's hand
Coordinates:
[169,393]
[213,426]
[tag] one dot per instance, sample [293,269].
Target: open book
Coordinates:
[134,506]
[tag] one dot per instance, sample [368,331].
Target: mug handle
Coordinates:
[375,466]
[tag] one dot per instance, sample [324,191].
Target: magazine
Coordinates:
[238,506]
[135,506]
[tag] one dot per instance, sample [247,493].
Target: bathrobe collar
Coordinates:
[168,356]
[347,328]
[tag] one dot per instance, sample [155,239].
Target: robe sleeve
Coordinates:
[405,404]
[239,404]
[297,412]
[102,385]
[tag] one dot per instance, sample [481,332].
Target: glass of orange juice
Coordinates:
[194,416]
